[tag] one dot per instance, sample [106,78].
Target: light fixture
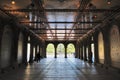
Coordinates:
[13,2]
[26,16]
[109,2]
[94,17]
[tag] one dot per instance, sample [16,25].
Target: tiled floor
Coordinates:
[60,69]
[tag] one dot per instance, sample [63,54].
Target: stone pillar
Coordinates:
[85,54]
[25,41]
[44,49]
[65,50]
[35,51]
[55,50]
[39,50]
[107,47]
[90,54]
[81,53]
[79,50]
[96,47]
[31,53]
[76,50]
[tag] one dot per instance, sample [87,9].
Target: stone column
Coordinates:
[35,51]
[25,41]
[31,53]
[85,54]
[76,50]
[65,50]
[96,48]
[90,54]
[81,53]
[55,50]
[39,50]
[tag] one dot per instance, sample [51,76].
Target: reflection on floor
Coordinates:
[60,69]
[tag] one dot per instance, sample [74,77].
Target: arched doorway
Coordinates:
[28,49]
[115,46]
[6,45]
[60,50]
[50,50]
[93,50]
[101,48]
[20,49]
[70,50]
[33,53]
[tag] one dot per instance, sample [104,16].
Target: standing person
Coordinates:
[38,57]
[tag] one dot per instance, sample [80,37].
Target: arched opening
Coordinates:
[6,45]
[60,50]
[28,50]
[33,53]
[83,51]
[70,50]
[20,49]
[93,49]
[50,50]
[115,46]
[101,48]
[93,52]
[87,53]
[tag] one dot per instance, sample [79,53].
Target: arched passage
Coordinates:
[50,50]
[115,46]
[93,50]
[6,45]
[60,50]
[28,49]
[70,50]
[101,48]
[20,49]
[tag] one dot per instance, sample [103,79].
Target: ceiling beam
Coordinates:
[62,10]
[60,29]
[57,33]
[59,22]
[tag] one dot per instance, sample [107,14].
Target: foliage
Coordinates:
[70,49]
[60,49]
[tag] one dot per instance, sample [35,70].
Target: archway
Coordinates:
[28,49]
[115,46]
[93,50]
[50,50]
[87,53]
[101,48]
[20,49]
[71,50]
[6,45]
[60,50]
[33,53]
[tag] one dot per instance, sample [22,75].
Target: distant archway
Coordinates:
[93,49]
[50,50]
[20,49]
[28,49]
[60,50]
[93,52]
[115,46]
[70,50]
[101,48]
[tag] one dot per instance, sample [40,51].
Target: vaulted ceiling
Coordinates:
[61,20]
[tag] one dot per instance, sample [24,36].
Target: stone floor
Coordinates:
[60,69]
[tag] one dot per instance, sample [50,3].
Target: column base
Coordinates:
[65,56]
